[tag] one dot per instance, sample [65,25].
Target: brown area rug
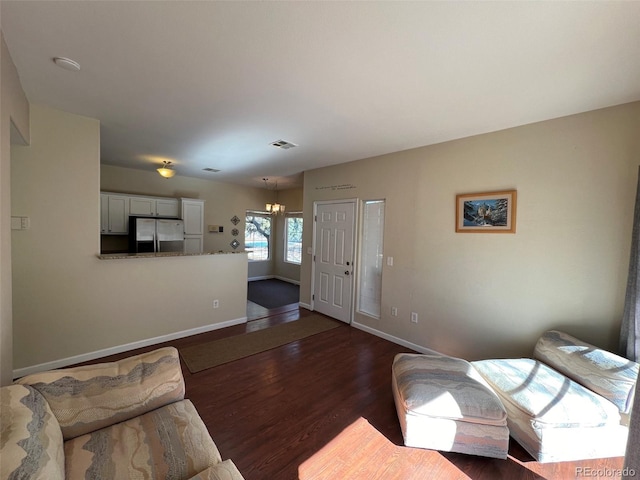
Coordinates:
[217,352]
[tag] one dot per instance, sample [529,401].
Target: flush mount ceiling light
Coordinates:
[273,208]
[166,170]
[67,64]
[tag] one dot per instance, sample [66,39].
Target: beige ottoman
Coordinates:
[444,404]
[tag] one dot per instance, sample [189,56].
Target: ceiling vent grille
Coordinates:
[283,144]
[208,169]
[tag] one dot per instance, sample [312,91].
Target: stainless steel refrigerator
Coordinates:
[148,235]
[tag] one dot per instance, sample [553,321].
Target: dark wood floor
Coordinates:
[322,408]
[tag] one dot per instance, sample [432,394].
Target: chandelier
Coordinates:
[273,208]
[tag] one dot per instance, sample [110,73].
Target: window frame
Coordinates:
[266,215]
[291,215]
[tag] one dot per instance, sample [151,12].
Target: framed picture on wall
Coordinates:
[490,212]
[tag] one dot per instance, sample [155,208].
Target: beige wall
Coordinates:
[67,302]
[14,122]
[486,295]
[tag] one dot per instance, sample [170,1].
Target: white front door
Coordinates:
[333,264]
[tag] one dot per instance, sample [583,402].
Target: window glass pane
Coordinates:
[293,240]
[257,236]
[370,281]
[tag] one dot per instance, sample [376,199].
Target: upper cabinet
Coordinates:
[142,206]
[154,207]
[114,214]
[168,207]
[193,216]
[115,209]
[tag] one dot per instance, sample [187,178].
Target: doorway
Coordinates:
[334,235]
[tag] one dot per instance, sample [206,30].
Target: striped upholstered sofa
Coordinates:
[572,401]
[121,420]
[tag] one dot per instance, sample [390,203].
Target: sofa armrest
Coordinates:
[221,471]
[88,398]
[30,440]
[601,371]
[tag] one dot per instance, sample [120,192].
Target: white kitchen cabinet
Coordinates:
[104,213]
[154,207]
[114,214]
[115,209]
[167,207]
[142,206]
[193,243]
[193,218]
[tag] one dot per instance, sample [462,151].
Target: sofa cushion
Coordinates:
[444,404]
[605,373]
[222,471]
[171,443]
[445,387]
[30,440]
[88,398]
[544,396]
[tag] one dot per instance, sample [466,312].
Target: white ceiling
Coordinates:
[211,84]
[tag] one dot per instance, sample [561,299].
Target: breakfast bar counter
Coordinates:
[126,256]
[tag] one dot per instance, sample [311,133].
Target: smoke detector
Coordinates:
[209,169]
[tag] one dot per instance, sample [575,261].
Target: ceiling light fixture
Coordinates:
[166,170]
[67,64]
[273,208]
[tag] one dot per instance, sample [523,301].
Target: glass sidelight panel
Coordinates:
[371,256]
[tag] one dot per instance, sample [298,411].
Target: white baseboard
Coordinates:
[85,357]
[261,277]
[391,338]
[305,305]
[269,277]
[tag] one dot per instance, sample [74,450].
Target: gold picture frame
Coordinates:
[488,212]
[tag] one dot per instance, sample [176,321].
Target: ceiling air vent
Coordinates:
[283,144]
[214,170]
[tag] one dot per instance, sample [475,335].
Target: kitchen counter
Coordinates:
[126,256]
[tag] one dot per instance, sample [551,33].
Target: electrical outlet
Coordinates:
[394,311]
[216,303]
[414,317]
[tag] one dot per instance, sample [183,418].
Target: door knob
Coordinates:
[347,272]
